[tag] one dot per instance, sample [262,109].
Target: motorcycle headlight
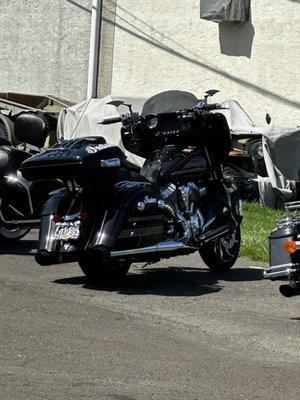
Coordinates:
[152,122]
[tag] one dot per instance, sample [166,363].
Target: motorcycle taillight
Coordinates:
[55,218]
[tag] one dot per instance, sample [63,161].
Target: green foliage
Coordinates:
[257,224]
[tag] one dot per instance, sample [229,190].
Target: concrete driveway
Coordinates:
[171,331]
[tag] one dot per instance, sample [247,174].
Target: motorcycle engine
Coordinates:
[185,201]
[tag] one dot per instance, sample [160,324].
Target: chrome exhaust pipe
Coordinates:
[280,272]
[158,248]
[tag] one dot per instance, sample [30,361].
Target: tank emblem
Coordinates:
[99,147]
[141,205]
[149,200]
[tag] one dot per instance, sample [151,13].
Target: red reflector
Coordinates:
[55,218]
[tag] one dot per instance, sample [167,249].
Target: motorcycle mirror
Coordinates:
[211,92]
[129,106]
[116,103]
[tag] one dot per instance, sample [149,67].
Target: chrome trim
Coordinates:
[101,228]
[293,205]
[158,248]
[214,234]
[15,210]
[16,221]
[279,272]
[50,237]
[19,222]
[110,163]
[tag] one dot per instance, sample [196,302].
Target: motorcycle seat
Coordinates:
[11,159]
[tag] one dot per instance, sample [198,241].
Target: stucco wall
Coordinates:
[154,45]
[160,45]
[45,47]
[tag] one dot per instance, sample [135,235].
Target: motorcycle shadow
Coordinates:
[24,247]
[169,281]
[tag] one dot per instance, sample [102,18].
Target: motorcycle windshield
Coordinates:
[170,101]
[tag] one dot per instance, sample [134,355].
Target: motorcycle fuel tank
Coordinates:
[73,158]
[171,163]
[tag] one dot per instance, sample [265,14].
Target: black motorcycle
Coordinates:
[108,215]
[284,247]
[21,201]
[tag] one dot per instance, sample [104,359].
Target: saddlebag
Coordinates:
[72,158]
[276,244]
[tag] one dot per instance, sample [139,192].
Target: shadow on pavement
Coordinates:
[170,281]
[23,247]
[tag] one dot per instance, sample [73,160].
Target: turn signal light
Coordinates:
[290,246]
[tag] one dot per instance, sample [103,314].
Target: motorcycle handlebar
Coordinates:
[214,106]
[109,121]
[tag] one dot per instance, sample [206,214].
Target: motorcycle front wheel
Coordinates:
[221,254]
[104,271]
[12,234]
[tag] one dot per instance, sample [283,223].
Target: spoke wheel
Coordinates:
[221,254]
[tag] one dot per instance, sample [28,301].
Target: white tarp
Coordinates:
[83,120]
[237,118]
[281,147]
[225,10]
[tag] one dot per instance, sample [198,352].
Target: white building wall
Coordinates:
[161,45]
[44,47]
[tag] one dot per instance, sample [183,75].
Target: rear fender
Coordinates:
[47,225]
[102,232]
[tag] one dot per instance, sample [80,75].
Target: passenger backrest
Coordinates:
[32,129]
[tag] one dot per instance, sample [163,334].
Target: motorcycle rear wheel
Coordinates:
[12,234]
[222,254]
[104,271]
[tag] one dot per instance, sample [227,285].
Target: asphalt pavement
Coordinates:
[172,330]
